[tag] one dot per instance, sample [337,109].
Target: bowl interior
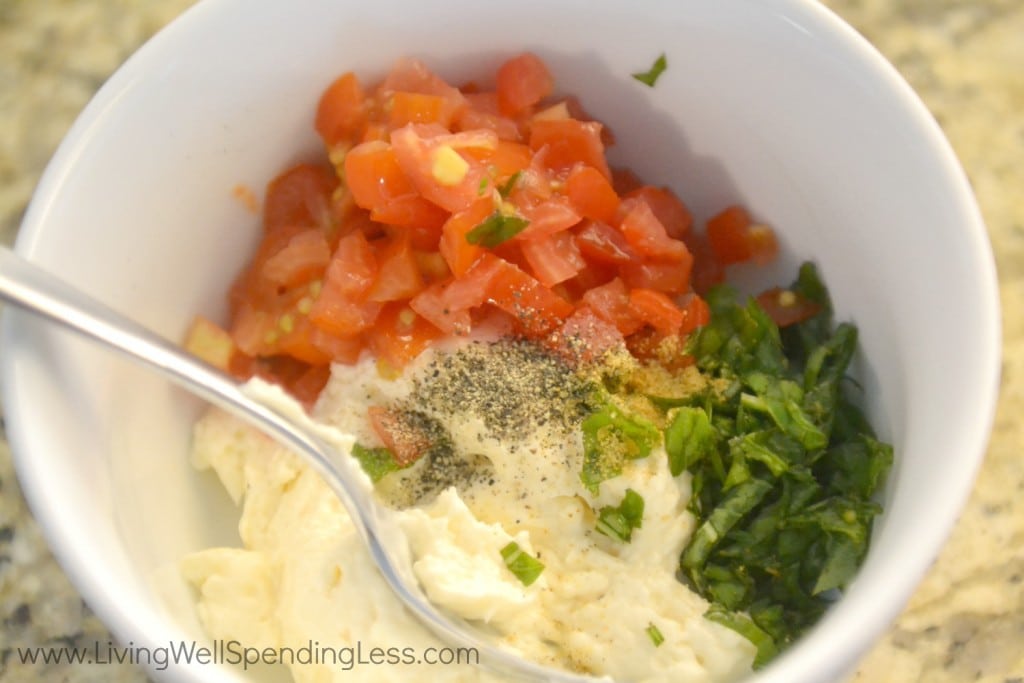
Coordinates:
[774,104]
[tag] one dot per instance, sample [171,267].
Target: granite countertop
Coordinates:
[966,60]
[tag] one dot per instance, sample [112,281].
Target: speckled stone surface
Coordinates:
[966,60]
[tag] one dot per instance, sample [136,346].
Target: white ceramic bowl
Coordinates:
[773,103]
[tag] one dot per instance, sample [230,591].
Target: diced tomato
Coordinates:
[591,194]
[667,207]
[431,159]
[570,142]
[431,304]
[553,259]
[411,107]
[400,335]
[412,75]
[625,181]
[707,271]
[398,274]
[300,196]
[210,342]
[584,337]
[506,159]
[341,113]
[670,278]
[303,260]
[657,310]
[346,350]
[482,112]
[696,313]
[432,265]
[611,302]
[536,308]
[602,243]
[399,435]
[341,308]
[547,218]
[647,235]
[735,238]
[522,82]
[457,251]
[787,307]
[306,387]
[380,264]
[416,214]
[374,176]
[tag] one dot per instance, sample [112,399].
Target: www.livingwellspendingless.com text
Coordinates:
[233,652]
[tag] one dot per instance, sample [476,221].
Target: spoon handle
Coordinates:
[33,289]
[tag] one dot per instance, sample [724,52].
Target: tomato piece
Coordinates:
[431,264]
[411,107]
[735,238]
[763,244]
[431,158]
[341,112]
[306,388]
[707,271]
[210,342]
[584,337]
[625,181]
[647,235]
[456,250]
[374,176]
[602,243]
[787,307]
[522,82]
[591,194]
[667,207]
[398,273]
[570,142]
[415,214]
[553,259]
[400,335]
[341,308]
[299,196]
[536,308]
[432,305]
[657,310]
[547,218]
[727,235]
[406,441]
[611,302]
[696,313]
[482,112]
[251,286]
[506,159]
[337,349]
[670,278]
[412,75]
[303,260]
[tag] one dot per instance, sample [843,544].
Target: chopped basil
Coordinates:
[746,627]
[619,521]
[496,229]
[376,462]
[526,567]
[655,635]
[783,467]
[610,438]
[650,77]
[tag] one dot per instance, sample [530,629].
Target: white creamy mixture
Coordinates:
[303,575]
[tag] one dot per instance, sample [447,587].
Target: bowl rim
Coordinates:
[125,621]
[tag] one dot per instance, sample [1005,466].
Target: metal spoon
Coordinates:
[33,289]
